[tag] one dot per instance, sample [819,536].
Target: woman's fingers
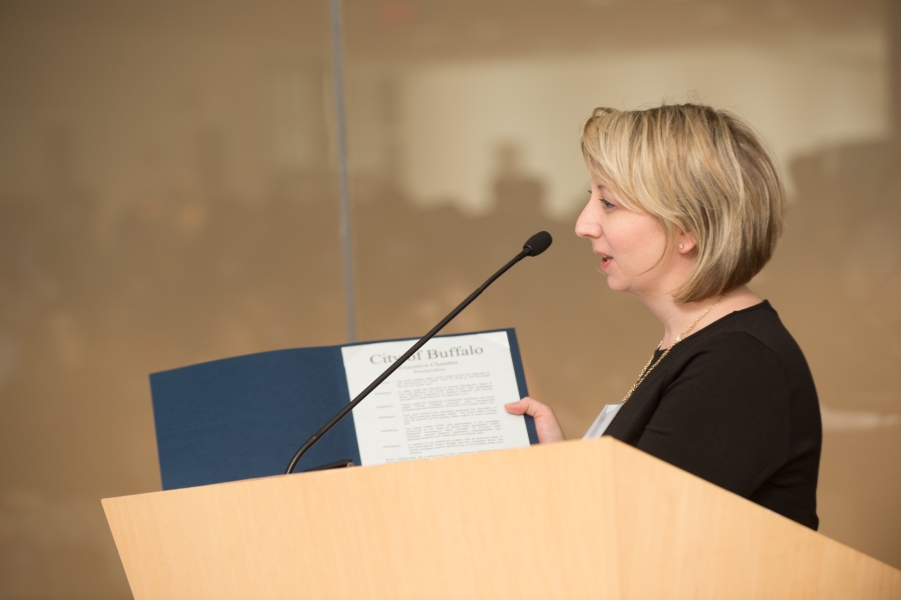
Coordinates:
[519,407]
[546,424]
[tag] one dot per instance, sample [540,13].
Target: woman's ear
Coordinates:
[685,242]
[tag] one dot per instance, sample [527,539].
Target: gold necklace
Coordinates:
[647,371]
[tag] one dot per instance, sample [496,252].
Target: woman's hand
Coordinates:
[545,420]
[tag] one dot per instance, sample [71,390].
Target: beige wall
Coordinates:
[168,195]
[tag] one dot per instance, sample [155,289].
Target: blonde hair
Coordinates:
[698,170]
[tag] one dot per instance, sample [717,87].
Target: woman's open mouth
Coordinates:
[605,260]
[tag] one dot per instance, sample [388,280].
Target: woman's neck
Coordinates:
[677,318]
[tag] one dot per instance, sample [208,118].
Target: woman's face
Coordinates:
[629,243]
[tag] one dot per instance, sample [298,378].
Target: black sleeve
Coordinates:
[725,416]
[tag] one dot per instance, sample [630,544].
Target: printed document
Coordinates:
[447,399]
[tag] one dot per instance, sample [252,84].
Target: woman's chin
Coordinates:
[615,285]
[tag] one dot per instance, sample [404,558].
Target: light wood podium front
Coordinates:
[582,519]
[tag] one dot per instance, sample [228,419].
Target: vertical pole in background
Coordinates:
[344,195]
[894,38]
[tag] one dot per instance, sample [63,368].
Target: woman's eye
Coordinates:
[607,203]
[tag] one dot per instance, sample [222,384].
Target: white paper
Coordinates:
[447,399]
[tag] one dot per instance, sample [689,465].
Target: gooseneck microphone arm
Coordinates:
[535,245]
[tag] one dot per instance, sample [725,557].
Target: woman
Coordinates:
[685,208]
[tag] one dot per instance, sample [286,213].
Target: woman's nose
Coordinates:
[587,225]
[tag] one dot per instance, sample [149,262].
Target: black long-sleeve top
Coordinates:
[735,404]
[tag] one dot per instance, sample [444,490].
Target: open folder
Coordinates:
[244,417]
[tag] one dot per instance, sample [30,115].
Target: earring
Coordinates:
[680,246]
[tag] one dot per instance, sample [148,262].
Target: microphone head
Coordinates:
[538,243]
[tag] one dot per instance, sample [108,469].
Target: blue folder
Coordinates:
[244,417]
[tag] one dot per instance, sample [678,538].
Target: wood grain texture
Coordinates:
[586,519]
[700,541]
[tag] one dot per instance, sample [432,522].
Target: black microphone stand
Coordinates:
[535,245]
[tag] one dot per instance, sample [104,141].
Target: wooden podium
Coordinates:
[581,519]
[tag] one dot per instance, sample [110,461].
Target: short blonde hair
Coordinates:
[698,170]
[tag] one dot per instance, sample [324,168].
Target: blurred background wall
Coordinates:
[169,195]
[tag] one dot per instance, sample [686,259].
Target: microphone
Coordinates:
[534,246]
